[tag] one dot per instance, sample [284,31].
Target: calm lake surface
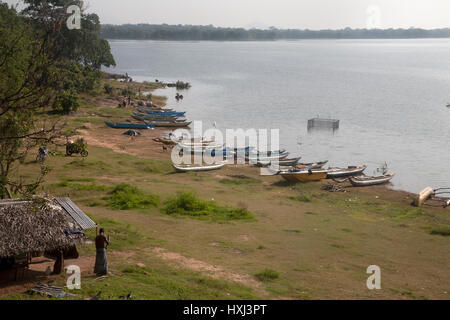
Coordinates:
[390,96]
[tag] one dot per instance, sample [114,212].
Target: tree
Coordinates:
[25,78]
[43,64]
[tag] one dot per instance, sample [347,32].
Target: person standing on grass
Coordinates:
[101,244]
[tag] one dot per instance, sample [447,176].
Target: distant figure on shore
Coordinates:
[101,244]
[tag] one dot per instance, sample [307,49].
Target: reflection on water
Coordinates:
[390,96]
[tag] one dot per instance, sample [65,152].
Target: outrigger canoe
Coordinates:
[304,175]
[267,157]
[284,163]
[155,117]
[135,126]
[197,168]
[170,113]
[341,173]
[168,124]
[371,181]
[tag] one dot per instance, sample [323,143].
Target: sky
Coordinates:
[296,14]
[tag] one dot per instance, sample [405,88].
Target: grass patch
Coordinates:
[267,275]
[123,236]
[80,179]
[81,187]
[126,197]
[143,165]
[161,282]
[239,181]
[302,198]
[188,204]
[440,231]
[84,163]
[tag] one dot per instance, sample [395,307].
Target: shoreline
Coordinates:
[318,243]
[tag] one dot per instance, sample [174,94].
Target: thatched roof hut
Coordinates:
[36,225]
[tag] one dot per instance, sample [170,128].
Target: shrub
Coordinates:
[442,231]
[267,275]
[109,89]
[188,204]
[68,102]
[302,198]
[126,197]
[128,92]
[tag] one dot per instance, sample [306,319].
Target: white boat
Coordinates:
[371,181]
[197,167]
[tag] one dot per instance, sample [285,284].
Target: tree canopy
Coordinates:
[44,66]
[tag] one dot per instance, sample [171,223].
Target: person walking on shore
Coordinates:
[101,244]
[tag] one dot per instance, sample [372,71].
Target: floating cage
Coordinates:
[323,123]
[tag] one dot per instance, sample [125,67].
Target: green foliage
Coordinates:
[267,275]
[193,32]
[84,46]
[128,92]
[188,204]
[239,181]
[122,235]
[441,231]
[108,89]
[81,187]
[302,198]
[126,197]
[67,103]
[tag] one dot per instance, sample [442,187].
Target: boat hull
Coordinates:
[343,173]
[304,176]
[197,168]
[361,182]
[129,126]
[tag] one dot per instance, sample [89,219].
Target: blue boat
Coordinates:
[155,117]
[129,125]
[164,113]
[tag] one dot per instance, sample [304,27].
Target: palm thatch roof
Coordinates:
[34,226]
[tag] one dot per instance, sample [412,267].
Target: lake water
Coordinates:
[390,96]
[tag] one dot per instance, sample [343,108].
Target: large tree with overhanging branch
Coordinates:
[42,63]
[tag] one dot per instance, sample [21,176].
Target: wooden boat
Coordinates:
[269,156]
[197,168]
[340,173]
[169,113]
[284,163]
[219,152]
[135,126]
[155,117]
[304,175]
[245,150]
[169,124]
[312,165]
[269,153]
[198,145]
[365,181]
[263,159]
[157,120]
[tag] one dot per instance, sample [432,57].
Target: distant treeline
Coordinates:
[189,32]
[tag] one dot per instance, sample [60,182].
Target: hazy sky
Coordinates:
[302,14]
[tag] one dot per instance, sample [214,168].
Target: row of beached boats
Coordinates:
[151,117]
[278,163]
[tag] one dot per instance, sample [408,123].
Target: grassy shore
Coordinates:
[215,235]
